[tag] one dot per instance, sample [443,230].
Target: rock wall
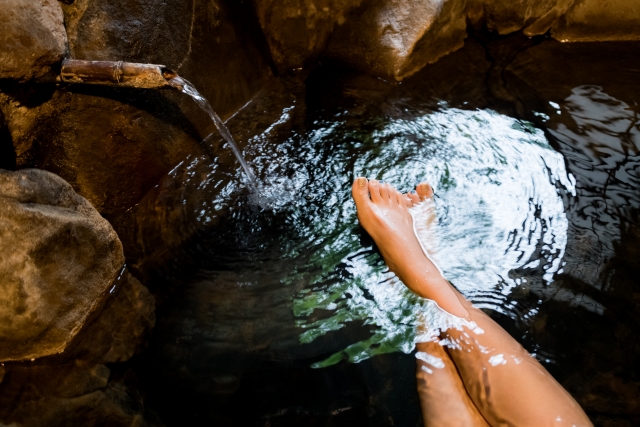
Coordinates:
[599,20]
[395,38]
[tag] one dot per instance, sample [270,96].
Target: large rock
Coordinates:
[395,38]
[599,20]
[59,260]
[32,39]
[298,30]
[111,151]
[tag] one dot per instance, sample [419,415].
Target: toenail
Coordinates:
[362,182]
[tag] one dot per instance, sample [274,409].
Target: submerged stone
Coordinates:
[59,259]
[32,39]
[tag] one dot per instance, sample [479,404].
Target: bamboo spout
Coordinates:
[116,73]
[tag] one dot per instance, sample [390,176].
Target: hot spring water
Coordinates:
[536,235]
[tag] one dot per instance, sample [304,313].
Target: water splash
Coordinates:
[187,88]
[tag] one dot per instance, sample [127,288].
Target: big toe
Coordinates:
[360,191]
[424,190]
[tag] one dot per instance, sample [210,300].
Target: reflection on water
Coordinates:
[605,145]
[544,239]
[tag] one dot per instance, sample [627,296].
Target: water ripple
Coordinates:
[498,188]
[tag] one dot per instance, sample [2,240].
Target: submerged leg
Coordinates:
[443,398]
[506,384]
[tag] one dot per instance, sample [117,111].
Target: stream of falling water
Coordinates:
[186,87]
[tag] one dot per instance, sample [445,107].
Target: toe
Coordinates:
[424,190]
[413,198]
[384,191]
[399,198]
[360,191]
[374,191]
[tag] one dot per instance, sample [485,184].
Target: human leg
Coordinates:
[506,384]
[443,398]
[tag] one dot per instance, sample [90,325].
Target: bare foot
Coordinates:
[384,213]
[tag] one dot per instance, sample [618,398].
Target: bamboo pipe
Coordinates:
[116,73]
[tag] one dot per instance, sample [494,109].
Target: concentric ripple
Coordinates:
[500,215]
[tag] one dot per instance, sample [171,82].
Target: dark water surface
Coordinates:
[283,314]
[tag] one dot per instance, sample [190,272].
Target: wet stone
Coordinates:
[74,394]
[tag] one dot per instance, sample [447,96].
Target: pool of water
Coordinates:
[277,310]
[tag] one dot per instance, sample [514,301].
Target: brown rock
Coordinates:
[59,259]
[599,20]
[33,38]
[298,30]
[111,151]
[395,38]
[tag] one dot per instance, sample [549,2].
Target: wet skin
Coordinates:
[518,392]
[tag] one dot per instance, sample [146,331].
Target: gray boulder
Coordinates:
[58,260]
[32,39]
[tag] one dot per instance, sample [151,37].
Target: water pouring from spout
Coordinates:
[187,88]
[148,76]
